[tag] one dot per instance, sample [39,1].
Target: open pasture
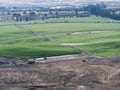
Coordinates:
[50,39]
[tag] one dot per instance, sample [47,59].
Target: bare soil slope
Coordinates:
[70,73]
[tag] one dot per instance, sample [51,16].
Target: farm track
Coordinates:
[78,44]
[88,32]
[59,59]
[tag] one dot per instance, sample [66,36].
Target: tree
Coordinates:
[76,12]
[17,16]
[45,16]
[32,15]
[56,13]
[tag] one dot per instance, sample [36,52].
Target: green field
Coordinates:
[99,36]
[73,20]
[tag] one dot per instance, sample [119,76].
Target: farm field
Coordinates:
[99,36]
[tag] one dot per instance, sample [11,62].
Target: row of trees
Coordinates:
[49,14]
[100,10]
[24,16]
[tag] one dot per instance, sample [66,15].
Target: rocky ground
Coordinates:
[70,73]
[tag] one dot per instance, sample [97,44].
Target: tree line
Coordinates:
[51,13]
[100,10]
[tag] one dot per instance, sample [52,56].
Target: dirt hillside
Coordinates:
[70,73]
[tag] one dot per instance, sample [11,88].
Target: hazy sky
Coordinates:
[67,0]
[109,0]
[10,1]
